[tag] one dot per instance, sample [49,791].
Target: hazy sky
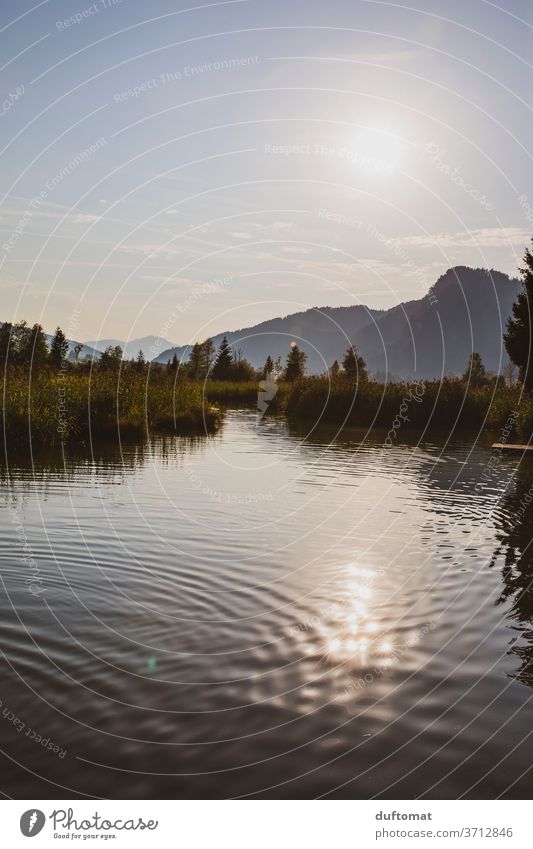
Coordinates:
[181,171]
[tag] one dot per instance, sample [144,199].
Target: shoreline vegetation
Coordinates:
[85,403]
[425,405]
[48,396]
[49,409]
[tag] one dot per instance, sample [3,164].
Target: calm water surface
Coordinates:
[258,614]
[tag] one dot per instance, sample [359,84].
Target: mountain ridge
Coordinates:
[465,310]
[132,347]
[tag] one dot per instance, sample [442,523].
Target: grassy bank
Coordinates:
[231,392]
[52,408]
[428,404]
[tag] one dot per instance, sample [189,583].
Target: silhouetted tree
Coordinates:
[268,367]
[222,369]
[208,356]
[172,364]
[111,358]
[518,337]
[58,349]
[475,373]
[6,334]
[295,367]
[242,371]
[354,366]
[30,346]
[140,362]
[335,369]
[200,359]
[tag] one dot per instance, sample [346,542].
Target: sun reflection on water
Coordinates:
[349,631]
[352,632]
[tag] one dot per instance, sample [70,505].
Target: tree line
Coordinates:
[204,362]
[25,345]
[22,345]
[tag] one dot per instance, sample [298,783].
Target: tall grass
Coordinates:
[51,407]
[431,404]
[227,391]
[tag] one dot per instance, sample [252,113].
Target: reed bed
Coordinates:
[433,404]
[50,408]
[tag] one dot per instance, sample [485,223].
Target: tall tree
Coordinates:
[58,349]
[194,364]
[268,367]
[242,370]
[200,359]
[207,356]
[475,373]
[222,369]
[335,369]
[295,366]
[6,337]
[32,349]
[111,358]
[518,339]
[354,366]
[172,364]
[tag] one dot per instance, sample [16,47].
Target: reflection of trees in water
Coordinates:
[514,530]
[102,461]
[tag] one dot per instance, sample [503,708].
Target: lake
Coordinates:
[267,613]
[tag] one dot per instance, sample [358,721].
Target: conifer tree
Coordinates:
[222,369]
[518,338]
[58,349]
[295,366]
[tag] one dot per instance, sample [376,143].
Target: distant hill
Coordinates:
[466,310]
[151,346]
[320,332]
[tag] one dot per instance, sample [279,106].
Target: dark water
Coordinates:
[259,615]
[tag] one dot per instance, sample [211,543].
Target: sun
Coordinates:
[378,148]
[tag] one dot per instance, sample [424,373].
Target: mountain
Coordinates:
[151,346]
[323,333]
[466,310]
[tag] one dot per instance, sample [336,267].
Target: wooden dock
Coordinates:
[515,449]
